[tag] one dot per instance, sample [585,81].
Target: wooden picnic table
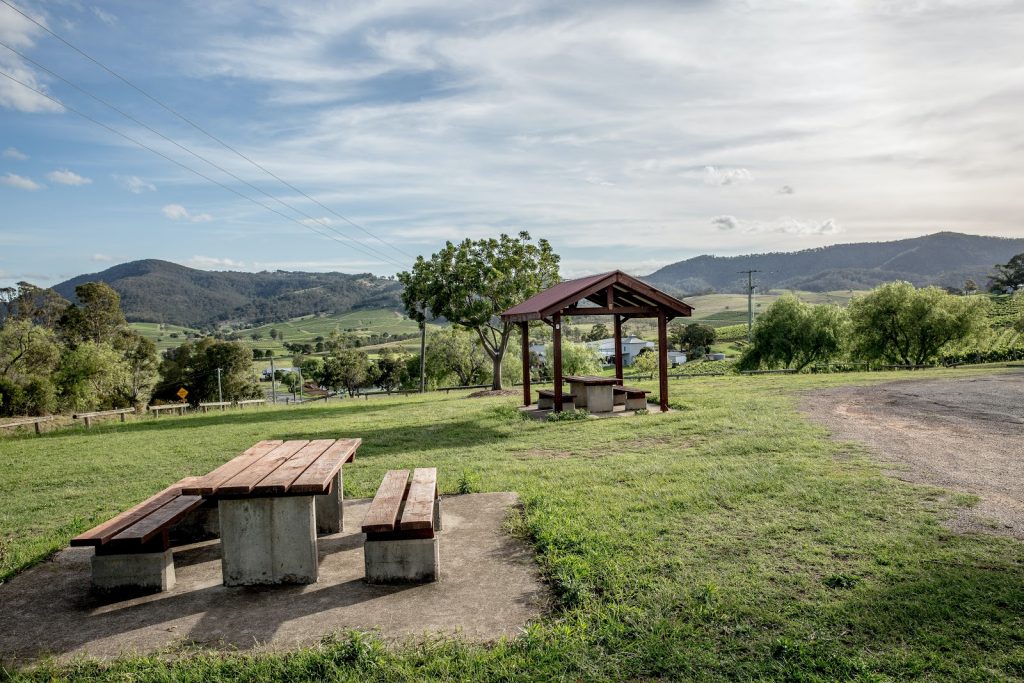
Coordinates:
[592,392]
[272,499]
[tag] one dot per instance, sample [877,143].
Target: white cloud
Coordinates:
[13,153]
[213,262]
[20,182]
[101,258]
[20,33]
[135,184]
[106,17]
[317,222]
[177,212]
[786,189]
[785,226]
[66,177]
[726,176]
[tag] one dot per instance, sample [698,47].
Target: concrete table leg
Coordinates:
[133,571]
[268,540]
[579,393]
[599,399]
[330,509]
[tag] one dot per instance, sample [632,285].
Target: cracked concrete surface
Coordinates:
[490,587]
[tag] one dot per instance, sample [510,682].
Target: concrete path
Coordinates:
[490,587]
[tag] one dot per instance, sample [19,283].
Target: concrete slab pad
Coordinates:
[489,587]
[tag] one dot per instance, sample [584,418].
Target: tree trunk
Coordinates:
[496,379]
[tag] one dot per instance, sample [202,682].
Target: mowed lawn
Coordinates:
[727,540]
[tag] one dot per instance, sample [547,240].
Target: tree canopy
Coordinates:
[471,283]
[902,324]
[794,334]
[1009,274]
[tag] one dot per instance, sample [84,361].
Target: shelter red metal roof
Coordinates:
[626,292]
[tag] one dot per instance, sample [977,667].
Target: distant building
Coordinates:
[631,348]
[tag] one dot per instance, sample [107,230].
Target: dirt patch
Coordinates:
[960,434]
[488,393]
[489,588]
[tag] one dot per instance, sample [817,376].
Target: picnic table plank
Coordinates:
[102,533]
[207,484]
[254,472]
[383,512]
[157,521]
[593,380]
[315,480]
[419,503]
[282,478]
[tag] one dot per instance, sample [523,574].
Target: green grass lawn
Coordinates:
[728,540]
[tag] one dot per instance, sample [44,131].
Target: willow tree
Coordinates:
[471,283]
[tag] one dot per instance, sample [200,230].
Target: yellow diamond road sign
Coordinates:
[182,393]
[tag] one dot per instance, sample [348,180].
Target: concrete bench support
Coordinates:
[639,403]
[330,509]
[133,571]
[407,560]
[198,525]
[268,541]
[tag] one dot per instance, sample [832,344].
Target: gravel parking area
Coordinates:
[965,435]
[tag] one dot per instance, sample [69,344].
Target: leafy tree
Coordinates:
[902,324]
[1009,274]
[93,375]
[346,369]
[97,317]
[29,356]
[794,334]
[970,287]
[389,370]
[451,352]
[27,302]
[646,362]
[142,364]
[472,283]
[697,335]
[193,365]
[597,332]
[577,359]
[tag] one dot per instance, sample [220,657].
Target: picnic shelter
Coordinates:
[614,293]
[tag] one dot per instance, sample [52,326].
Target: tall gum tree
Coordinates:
[471,283]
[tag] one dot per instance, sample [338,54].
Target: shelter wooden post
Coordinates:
[618,347]
[524,328]
[556,329]
[663,361]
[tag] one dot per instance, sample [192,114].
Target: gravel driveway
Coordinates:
[965,435]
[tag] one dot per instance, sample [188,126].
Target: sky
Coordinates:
[630,135]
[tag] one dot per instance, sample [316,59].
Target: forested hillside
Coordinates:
[945,259]
[160,291]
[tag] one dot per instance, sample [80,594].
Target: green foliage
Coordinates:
[42,307]
[694,337]
[93,375]
[468,482]
[646,363]
[577,359]
[455,357]
[473,283]
[390,370]
[348,369]
[597,332]
[1009,274]
[574,415]
[794,334]
[193,365]
[899,323]
[97,317]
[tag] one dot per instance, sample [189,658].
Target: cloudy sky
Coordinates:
[629,134]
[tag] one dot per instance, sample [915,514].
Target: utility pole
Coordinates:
[220,394]
[300,384]
[750,301]
[273,382]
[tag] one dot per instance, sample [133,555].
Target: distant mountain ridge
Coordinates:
[944,259]
[160,291]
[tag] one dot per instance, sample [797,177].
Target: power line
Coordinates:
[173,161]
[195,125]
[195,154]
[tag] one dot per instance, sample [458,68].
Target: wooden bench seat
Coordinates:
[546,400]
[133,548]
[631,397]
[401,526]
